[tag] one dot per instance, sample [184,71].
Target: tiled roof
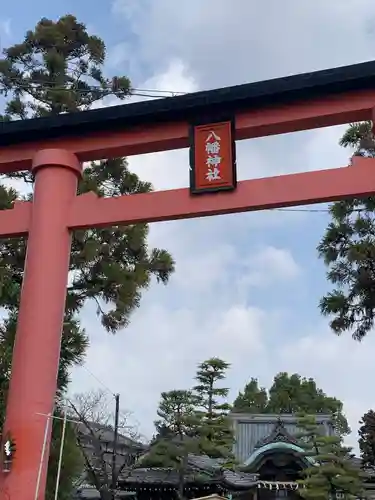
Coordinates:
[106,435]
[259,429]
[87,492]
[200,469]
[159,475]
[239,479]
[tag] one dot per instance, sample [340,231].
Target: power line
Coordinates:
[172,92]
[147,93]
[99,381]
[312,210]
[308,210]
[138,92]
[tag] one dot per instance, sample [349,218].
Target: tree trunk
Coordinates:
[210,409]
[181,476]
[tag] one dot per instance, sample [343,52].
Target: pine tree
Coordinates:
[176,434]
[348,251]
[175,429]
[367,439]
[216,433]
[330,472]
[58,68]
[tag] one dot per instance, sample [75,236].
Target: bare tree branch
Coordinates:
[95,433]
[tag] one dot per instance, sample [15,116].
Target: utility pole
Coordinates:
[115,440]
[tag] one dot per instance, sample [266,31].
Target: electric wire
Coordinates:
[104,92]
[153,94]
[99,381]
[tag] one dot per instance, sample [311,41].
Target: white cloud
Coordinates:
[344,368]
[235,273]
[5,28]
[175,78]
[160,351]
[224,46]
[270,264]
[118,54]
[205,271]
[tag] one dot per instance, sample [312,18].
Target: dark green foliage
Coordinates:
[348,250]
[59,65]
[291,394]
[176,434]
[72,460]
[57,68]
[367,439]
[358,136]
[194,421]
[176,413]
[330,472]
[216,433]
[296,394]
[253,399]
[176,430]
[73,346]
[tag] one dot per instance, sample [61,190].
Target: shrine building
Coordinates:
[270,462]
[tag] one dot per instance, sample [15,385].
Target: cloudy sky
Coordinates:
[246,286]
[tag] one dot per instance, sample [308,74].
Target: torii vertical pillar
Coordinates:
[301,102]
[37,346]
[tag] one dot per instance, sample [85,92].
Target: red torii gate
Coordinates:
[54,147]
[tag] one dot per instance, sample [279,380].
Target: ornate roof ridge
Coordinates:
[278,434]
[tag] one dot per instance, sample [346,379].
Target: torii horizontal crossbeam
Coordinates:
[357,180]
[304,188]
[53,148]
[283,105]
